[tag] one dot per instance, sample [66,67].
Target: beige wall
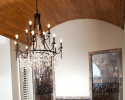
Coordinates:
[80,37]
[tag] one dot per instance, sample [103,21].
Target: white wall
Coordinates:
[80,37]
[5,71]
[9,79]
[15,70]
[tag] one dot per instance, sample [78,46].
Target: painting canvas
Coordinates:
[106,75]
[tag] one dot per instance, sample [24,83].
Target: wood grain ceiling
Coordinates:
[15,14]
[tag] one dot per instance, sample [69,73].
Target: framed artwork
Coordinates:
[105,75]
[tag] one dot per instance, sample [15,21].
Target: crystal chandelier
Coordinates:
[39,58]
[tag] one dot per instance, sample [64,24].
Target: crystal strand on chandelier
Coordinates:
[53,78]
[34,82]
[43,73]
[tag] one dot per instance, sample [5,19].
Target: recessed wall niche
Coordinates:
[106,75]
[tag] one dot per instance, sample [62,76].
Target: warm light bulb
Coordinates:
[15,42]
[26,47]
[55,45]
[44,33]
[61,40]
[32,32]
[16,36]
[54,35]
[26,30]
[48,25]
[30,22]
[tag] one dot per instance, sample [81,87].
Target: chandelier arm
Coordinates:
[30,33]
[45,46]
[27,40]
[42,37]
[43,42]
[18,50]
[58,52]
[52,48]
[41,31]
[29,45]
[48,46]
[47,37]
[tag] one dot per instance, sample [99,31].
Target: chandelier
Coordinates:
[39,57]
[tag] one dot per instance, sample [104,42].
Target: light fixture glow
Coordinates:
[44,32]
[54,35]
[26,47]
[30,22]
[48,25]
[15,42]
[26,30]
[61,40]
[32,32]
[55,45]
[16,36]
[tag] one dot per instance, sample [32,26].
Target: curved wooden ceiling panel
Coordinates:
[15,14]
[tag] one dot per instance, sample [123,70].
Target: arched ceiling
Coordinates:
[15,14]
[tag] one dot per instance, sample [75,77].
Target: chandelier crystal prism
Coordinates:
[39,58]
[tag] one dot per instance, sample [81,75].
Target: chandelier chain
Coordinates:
[36,7]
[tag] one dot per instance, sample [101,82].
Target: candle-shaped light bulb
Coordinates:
[55,45]
[61,40]
[16,36]
[26,47]
[44,32]
[30,22]
[54,35]
[15,42]
[61,43]
[48,25]
[26,30]
[32,32]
